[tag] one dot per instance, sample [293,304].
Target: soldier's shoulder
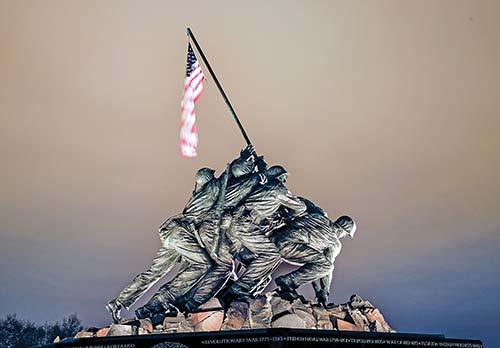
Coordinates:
[336,244]
[277,186]
[213,185]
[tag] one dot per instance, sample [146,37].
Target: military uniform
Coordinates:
[312,241]
[236,192]
[246,229]
[203,214]
[179,240]
[215,238]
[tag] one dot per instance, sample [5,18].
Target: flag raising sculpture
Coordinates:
[245,216]
[193,87]
[229,240]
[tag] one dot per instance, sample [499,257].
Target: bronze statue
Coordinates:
[241,181]
[245,216]
[179,241]
[247,228]
[313,241]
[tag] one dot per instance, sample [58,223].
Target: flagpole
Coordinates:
[224,96]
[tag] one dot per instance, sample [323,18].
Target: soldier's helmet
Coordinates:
[277,172]
[242,166]
[203,176]
[347,224]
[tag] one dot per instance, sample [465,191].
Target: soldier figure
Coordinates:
[242,181]
[313,241]
[246,230]
[246,214]
[179,242]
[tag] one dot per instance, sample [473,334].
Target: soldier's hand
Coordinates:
[251,150]
[248,153]
[261,164]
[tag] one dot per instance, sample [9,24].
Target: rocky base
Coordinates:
[266,311]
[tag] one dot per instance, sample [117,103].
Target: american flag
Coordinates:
[193,86]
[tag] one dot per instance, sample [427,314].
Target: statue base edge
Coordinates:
[272,338]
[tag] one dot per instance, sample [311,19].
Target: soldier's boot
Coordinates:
[156,317]
[142,313]
[157,307]
[235,293]
[157,314]
[190,306]
[286,287]
[322,297]
[114,307]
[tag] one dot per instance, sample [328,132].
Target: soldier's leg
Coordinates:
[267,258]
[214,279]
[197,264]
[161,265]
[315,266]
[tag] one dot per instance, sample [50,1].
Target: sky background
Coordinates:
[388,111]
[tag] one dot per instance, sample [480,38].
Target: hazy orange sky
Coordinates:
[388,111]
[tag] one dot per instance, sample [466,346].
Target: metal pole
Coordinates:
[198,48]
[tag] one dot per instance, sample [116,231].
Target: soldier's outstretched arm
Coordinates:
[295,204]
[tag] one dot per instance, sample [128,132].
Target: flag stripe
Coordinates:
[189,80]
[193,87]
